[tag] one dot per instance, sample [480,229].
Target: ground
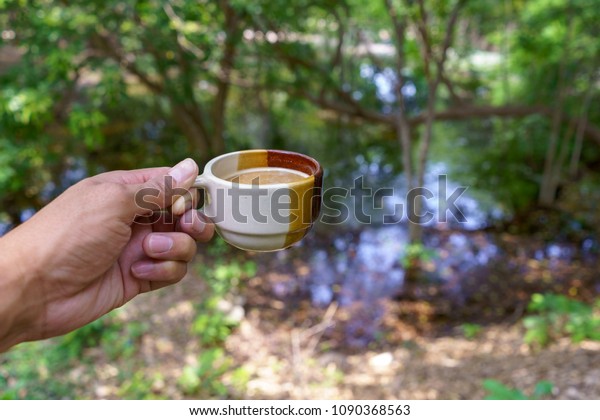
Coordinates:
[295,355]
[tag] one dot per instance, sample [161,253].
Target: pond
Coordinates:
[471,272]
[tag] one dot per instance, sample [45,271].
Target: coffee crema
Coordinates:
[264,176]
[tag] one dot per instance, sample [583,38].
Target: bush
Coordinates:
[470,331]
[116,338]
[29,372]
[212,326]
[557,316]
[498,391]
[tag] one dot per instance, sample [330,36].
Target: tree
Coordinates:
[92,75]
[330,44]
[85,68]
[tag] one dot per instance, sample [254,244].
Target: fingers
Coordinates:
[135,176]
[197,225]
[193,222]
[163,272]
[185,203]
[162,188]
[168,254]
[176,246]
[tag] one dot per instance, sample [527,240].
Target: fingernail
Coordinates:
[178,207]
[160,243]
[142,268]
[199,226]
[183,171]
[195,221]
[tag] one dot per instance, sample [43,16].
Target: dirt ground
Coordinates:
[297,358]
[425,368]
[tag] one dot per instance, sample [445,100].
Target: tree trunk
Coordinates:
[226,64]
[581,124]
[416,233]
[549,182]
[198,141]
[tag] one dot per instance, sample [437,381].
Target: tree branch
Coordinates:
[182,40]
[427,51]
[188,113]
[464,113]
[338,55]
[232,31]
[112,49]
[401,124]
[582,123]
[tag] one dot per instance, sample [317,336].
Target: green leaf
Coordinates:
[542,389]
[470,331]
[189,380]
[498,391]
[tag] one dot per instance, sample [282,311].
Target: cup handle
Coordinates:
[200,182]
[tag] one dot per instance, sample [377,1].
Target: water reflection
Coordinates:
[385,196]
[360,266]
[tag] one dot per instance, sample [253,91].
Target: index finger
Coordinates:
[197,225]
[135,176]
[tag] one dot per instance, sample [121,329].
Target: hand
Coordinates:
[94,248]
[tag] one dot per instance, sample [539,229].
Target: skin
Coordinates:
[94,248]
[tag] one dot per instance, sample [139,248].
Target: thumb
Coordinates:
[161,190]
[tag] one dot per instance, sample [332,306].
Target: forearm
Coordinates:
[18,307]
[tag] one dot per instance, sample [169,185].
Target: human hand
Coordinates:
[94,248]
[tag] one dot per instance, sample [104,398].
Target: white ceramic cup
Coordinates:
[265,217]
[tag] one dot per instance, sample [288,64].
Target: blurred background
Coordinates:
[500,96]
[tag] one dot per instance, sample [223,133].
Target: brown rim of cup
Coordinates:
[257,158]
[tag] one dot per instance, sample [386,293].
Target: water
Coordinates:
[360,266]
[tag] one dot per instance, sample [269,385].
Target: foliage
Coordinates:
[120,84]
[206,376]
[116,338]
[498,391]
[212,325]
[138,387]
[222,277]
[417,252]
[30,370]
[555,316]
[470,331]
[69,96]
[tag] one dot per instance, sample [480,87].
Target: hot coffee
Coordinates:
[263,176]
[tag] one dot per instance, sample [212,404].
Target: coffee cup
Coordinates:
[262,200]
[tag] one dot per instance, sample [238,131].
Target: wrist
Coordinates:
[19,302]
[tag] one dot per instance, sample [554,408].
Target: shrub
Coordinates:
[556,316]
[498,391]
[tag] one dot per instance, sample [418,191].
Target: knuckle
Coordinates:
[187,246]
[208,231]
[192,247]
[155,184]
[114,190]
[177,271]
[100,192]
[152,190]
